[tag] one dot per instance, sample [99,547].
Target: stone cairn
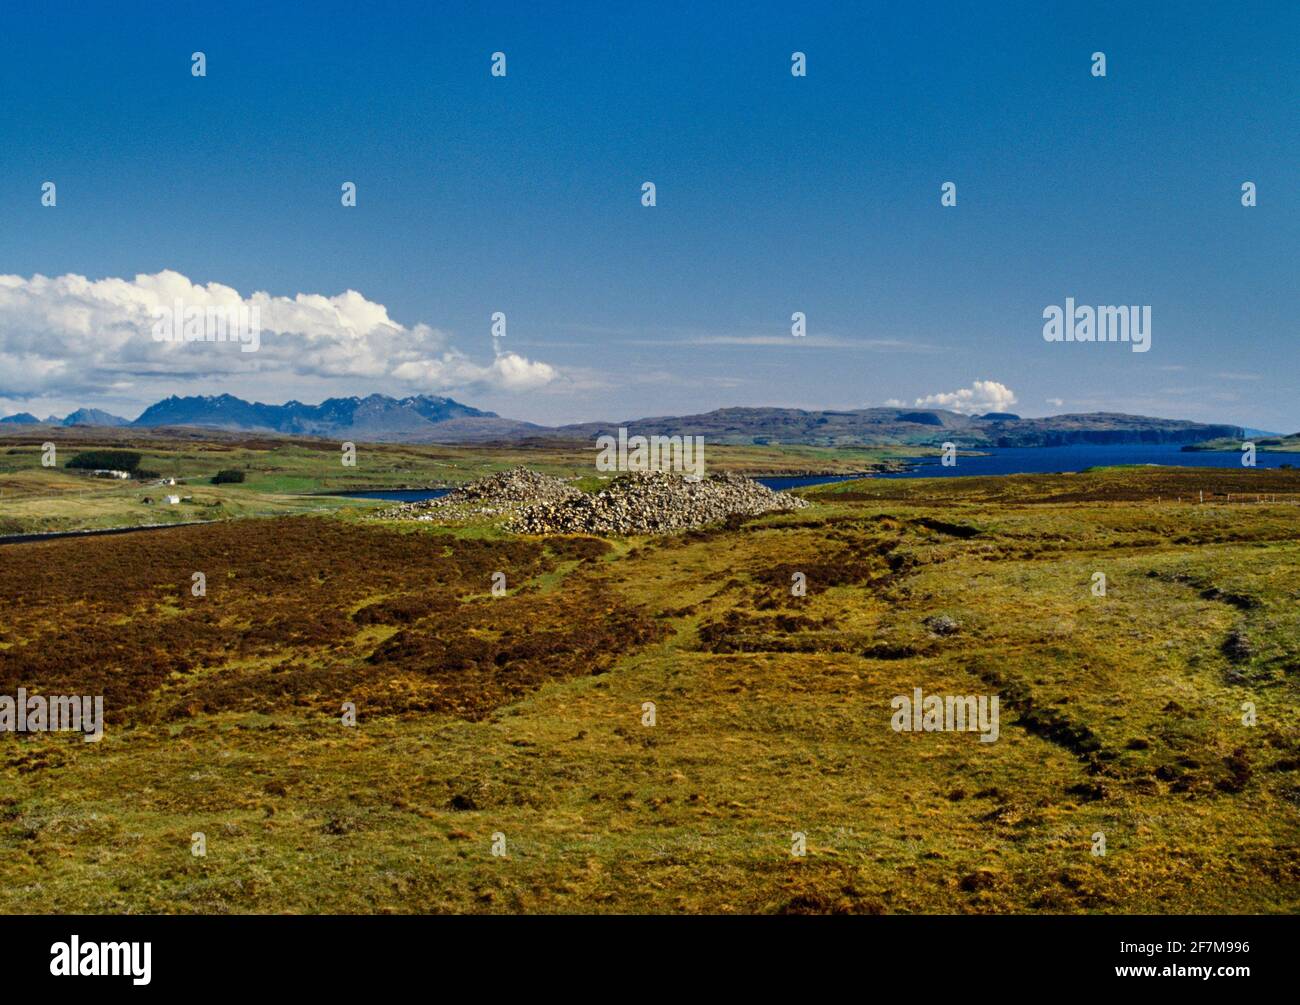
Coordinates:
[654,502]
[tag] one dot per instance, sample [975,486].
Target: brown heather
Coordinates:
[522,714]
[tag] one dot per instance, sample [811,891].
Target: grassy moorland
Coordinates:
[484,718]
[286,476]
[1269,444]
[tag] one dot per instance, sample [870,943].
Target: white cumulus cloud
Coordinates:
[981,396]
[69,335]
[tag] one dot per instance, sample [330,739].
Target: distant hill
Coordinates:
[1272,443]
[89,417]
[1103,427]
[377,418]
[910,426]
[81,417]
[432,419]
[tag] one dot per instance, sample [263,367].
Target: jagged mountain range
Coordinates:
[375,417]
[81,417]
[434,419]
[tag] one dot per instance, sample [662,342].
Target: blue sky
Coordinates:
[775,194]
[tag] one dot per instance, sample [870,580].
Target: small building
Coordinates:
[173,500]
[106,473]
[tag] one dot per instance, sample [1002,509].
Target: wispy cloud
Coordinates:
[792,342]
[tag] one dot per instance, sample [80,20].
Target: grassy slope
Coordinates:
[282,475]
[1123,717]
[1271,444]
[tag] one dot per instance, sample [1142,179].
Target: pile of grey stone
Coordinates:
[496,495]
[653,503]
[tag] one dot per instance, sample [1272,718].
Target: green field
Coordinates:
[517,721]
[284,476]
[1265,444]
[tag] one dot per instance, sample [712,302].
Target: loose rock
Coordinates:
[496,495]
[654,503]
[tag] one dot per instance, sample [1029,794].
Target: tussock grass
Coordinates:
[1120,715]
